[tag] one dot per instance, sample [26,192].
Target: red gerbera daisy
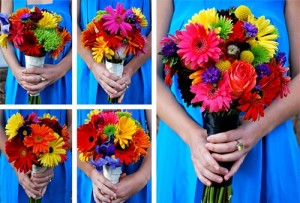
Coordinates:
[86,137]
[16,34]
[22,157]
[30,46]
[238,33]
[41,136]
[126,155]
[196,46]
[253,103]
[142,142]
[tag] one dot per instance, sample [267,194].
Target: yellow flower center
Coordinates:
[24,132]
[38,138]
[23,152]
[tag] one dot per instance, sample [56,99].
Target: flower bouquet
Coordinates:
[109,139]
[36,143]
[227,62]
[35,32]
[113,35]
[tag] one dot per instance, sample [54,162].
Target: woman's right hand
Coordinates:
[17,72]
[103,189]
[31,189]
[107,80]
[207,168]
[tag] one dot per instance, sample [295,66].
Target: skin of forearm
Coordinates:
[182,124]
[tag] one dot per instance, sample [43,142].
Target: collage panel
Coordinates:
[35,156]
[114,52]
[36,45]
[114,156]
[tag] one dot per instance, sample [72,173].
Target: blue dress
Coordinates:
[89,91]
[270,172]
[84,183]
[59,189]
[61,91]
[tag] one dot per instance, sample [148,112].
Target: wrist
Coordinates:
[141,178]
[196,133]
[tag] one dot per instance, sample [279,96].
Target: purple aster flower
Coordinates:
[262,70]
[5,23]
[169,49]
[24,131]
[130,17]
[25,16]
[113,163]
[281,58]
[257,87]
[211,75]
[251,30]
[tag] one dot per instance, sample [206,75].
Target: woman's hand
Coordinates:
[35,79]
[129,185]
[125,82]
[224,145]
[41,180]
[107,80]
[103,189]
[31,189]
[206,167]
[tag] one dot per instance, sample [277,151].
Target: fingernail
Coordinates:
[217,167]
[226,178]
[208,139]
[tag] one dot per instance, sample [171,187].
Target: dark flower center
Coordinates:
[91,139]
[50,149]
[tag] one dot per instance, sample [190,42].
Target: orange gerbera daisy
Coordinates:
[16,17]
[88,36]
[39,139]
[142,142]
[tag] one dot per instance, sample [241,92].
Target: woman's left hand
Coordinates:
[224,146]
[34,79]
[43,179]
[128,186]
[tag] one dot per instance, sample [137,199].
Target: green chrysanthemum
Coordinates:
[109,130]
[223,27]
[123,113]
[49,38]
[261,55]
[99,15]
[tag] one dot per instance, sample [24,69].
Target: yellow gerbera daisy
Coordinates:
[48,21]
[125,129]
[92,112]
[47,115]
[85,157]
[101,49]
[53,157]
[13,124]
[138,12]
[266,34]
[206,18]
[3,40]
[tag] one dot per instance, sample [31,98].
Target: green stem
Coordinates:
[206,191]
[229,193]
[221,195]
[211,195]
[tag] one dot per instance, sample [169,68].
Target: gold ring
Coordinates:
[42,78]
[113,198]
[50,179]
[127,86]
[239,145]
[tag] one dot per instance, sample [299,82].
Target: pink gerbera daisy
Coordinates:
[214,99]
[196,46]
[115,20]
